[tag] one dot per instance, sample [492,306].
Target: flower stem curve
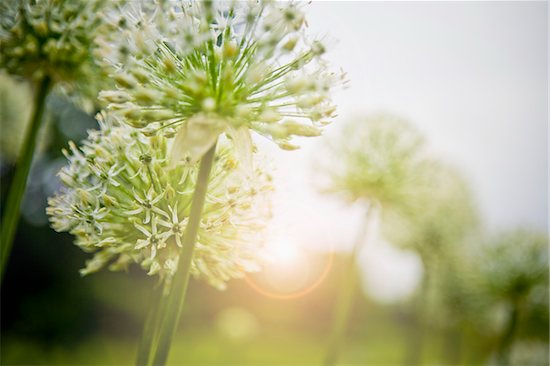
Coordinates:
[10,217]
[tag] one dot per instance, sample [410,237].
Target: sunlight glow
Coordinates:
[289,270]
[284,253]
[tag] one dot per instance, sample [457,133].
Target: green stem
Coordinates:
[345,296]
[415,339]
[150,330]
[180,280]
[10,217]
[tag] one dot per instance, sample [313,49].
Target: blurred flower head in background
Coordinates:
[124,202]
[445,214]
[55,39]
[514,267]
[49,38]
[205,68]
[381,159]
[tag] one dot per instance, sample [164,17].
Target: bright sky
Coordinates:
[473,78]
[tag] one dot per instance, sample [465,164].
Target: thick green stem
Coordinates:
[150,330]
[345,296]
[415,339]
[10,216]
[180,280]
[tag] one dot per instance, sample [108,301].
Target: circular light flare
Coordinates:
[283,254]
[287,268]
[287,271]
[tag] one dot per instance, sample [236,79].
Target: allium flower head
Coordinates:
[444,215]
[381,158]
[205,68]
[125,203]
[514,264]
[51,38]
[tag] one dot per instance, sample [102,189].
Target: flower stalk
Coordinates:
[150,329]
[176,297]
[10,217]
[346,294]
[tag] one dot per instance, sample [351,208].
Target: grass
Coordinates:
[207,347]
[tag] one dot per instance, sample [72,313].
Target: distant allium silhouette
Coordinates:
[49,38]
[444,215]
[381,160]
[425,206]
[514,264]
[513,271]
[123,202]
[200,69]
[437,229]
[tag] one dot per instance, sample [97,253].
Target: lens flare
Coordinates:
[289,271]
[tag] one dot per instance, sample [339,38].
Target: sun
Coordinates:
[289,270]
[284,253]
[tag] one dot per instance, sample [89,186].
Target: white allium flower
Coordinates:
[125,202]
[200,69]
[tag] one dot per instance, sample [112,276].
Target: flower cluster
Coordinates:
[124,201]
[514,265]
[383,160]
[200,69]
[49,37]
[443,218]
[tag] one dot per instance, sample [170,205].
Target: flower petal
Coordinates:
[242,141]
[194,138]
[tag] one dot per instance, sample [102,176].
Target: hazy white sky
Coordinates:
[472,76]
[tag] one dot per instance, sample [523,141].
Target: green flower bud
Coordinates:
[230,49]
[125,80]
[285,145]
[299,129]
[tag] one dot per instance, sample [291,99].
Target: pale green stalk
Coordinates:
[176,296]
[151,327]
[345,296]
[10,216]
[415,339]
[507,338]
